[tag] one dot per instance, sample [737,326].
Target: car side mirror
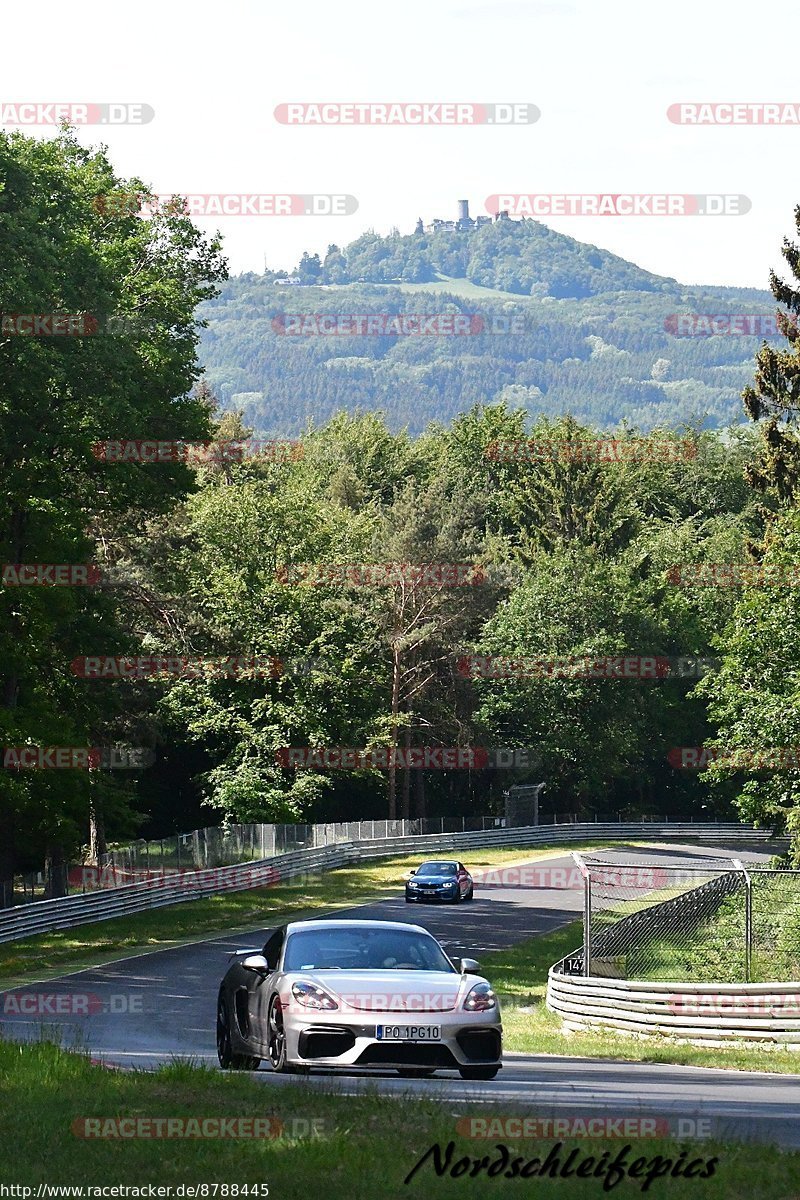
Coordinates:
[470,966]
[257,963]
[412,872]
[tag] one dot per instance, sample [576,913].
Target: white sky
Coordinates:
[602,73]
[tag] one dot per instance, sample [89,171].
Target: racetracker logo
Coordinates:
[478,666]
[758,325]
[423,758]
[226,204]
[198,453]
[617,204]
[589,1126]
[218,879]
[197,1128]
[740,758]
[69,1004]
[47,324]
[603,450]
[37,112]
[49,575]
[395,324]
[160,666]
[737,113]
[734,575]
[81,758]
[391,1002]
[529,875]
[709,1004]
[406,113]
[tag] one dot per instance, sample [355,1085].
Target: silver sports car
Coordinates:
[355,995]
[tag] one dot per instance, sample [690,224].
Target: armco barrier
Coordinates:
[703,1014]
[43,916]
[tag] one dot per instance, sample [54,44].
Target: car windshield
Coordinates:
[437,868]
[365,949]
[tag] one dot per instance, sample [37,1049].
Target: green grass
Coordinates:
[363,1149]
[49,954]
[519,976]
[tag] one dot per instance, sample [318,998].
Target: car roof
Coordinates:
[294,926]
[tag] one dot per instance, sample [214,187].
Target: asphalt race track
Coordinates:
[143,1011]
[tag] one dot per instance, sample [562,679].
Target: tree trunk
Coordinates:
[7,856]
[97,831]
[9,698]
[393,746]
[419,793]
[55,872]
[406,810]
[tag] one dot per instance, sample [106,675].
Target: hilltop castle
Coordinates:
[462,223]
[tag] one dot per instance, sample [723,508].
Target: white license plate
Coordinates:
[409,1033]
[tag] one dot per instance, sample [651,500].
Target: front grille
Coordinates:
[325,1043]
[480,1045]
[406,1054]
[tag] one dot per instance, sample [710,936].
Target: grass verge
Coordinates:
[364,1147]
[519,975]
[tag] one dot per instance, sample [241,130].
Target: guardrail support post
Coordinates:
[587,912]
[587,924]
[748,919]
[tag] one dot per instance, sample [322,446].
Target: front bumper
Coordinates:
[439,894]
[467,1040]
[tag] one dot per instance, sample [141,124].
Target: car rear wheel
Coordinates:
[225,1053]
[478,1072]
[471,893]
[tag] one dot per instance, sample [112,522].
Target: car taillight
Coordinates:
[480,998]
[311,996]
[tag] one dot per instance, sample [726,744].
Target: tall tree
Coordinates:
[126,374]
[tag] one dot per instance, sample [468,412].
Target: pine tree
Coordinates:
[775,396]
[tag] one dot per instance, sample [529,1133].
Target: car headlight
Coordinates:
[412,883]
[311,996]
[480,998]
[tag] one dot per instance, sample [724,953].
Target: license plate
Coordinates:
[409,1033]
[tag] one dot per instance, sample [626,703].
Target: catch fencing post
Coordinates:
[748,919]
[587,912]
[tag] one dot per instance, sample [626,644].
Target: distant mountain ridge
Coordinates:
[523,257]
[592,334]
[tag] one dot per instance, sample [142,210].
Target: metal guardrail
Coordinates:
[705,1014]
[44,916]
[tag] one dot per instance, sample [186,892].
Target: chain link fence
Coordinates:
[712,921]
[216,846]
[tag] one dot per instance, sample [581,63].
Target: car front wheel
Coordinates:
[225,1053]
[276,1041]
